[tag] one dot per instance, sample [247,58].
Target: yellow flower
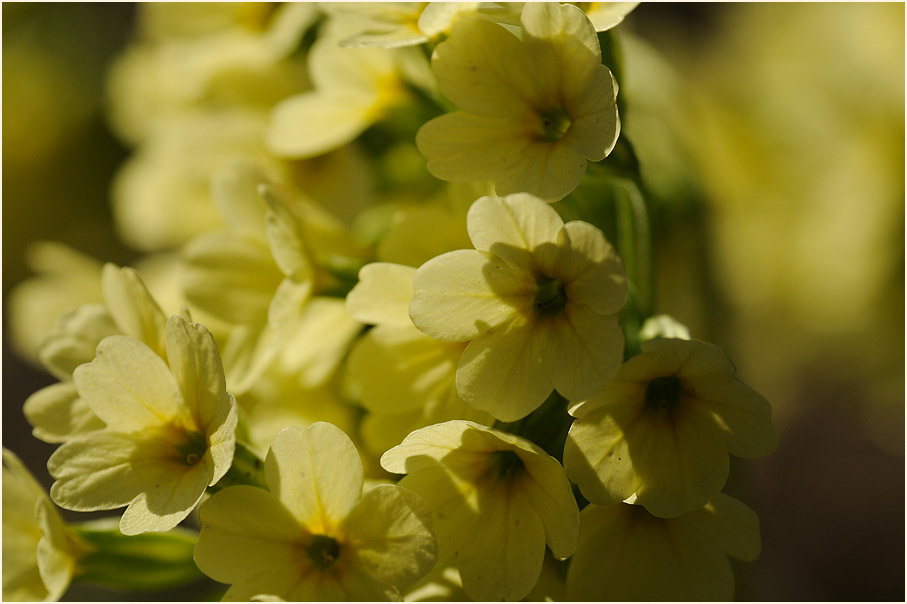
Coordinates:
[663,427]
[404,378]
[497,499]
[169,430]
[314,535]
[534,110]
[56,412]
[626,554]
[353,88]
[536,300]
[395,24]
[39,551]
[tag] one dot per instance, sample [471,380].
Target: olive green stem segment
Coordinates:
[149,561]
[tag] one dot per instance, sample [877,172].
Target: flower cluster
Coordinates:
[376,347]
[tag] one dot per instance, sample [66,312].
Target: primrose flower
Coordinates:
[534,110]
[536,300]
[169,430]
[314,535]
[663,427]
[56,412]
[39,551]
[404,378]
[395,24]
[353,89]
[626,554]
[497,499]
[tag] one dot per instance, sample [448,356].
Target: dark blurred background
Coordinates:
[772,138]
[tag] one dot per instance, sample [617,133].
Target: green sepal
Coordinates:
[149,561]
[247,468]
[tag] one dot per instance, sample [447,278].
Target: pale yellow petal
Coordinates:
[513,227]
[461,294]
[225,262]
[431,442]
[464,147]
[548,492]
[484,69]
[75,339]
[548,170]
[56,555]
[167,501]
[584,350]
[249,538]
[400,369]
[725,525]
[390,532]
[592,271]
[57,413]
[743,415]
[128,386]
[317,474]
[382,295]
[505,555]
[314,123]
[234,190]
[501,371]
[132,307]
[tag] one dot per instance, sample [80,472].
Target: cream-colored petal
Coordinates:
[512,227]
[627,554]
[548,170]
[434,442]
[105,470]
[548,492]
[584,350]
[315,122]
[382,295]
[175,492]
[590,268]
[248,538]
[682,462]
[234,190]
[57,413]
[461,294]
[199,372]
[288,302]
[224,262]
[286,239]
[317,474]
[605,15]
[502,371]
[743,415]
[724,525]
[505,556]
[464,147]
[390,533]
[128,386]
[597,455]
[132,307]
[75,339]
[484,69]
[399,369]
[56,555]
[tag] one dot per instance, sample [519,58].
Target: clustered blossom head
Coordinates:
[371,384]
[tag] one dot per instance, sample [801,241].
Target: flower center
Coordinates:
[505,464]
[554,123]
[663,393]
[550,296]
[193,447]
[323,551]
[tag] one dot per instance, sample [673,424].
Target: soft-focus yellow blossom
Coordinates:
[497,499]
[626,554]
[353,88]
[314,535]
[39,551]
[211,58]
[536,300]
[169,434]
[65,279]
[394,24]
[662,429]
[534,110]
[162,194]
[268,259]
[404,378]
[56,412]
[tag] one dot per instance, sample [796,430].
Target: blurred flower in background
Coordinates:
[770,137]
